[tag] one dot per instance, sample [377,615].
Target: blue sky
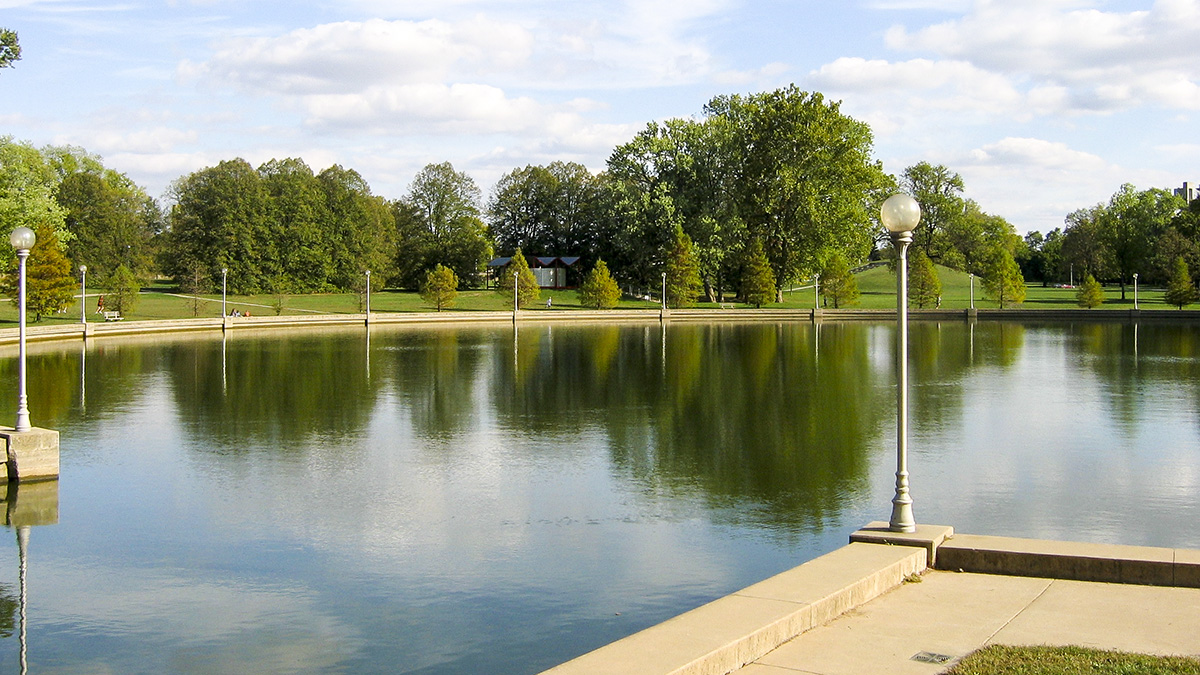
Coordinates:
[1043,106]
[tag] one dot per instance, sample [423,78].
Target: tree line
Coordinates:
[753,196]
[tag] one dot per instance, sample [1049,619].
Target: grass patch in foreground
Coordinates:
[1003,660]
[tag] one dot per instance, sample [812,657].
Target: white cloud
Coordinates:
[1096,60]
[1024,154]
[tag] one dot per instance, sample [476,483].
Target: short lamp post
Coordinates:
[817,290]
[224,278]
[1135,276]
[664,291]
[516,293]
[368,295]
[22,239]
[83,294]
[900,215]
[972,277]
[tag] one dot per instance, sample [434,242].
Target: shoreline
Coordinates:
[99,329]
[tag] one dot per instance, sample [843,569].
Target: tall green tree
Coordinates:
[1084,250]
[10,48]
[924,285]
[546,210]
[599,290]
[440,288]
[801,177]
[1090,294]
[1003,281]
[1180,289]
[27,185]
[758,281]
[683,284]
[840,286]
[518,272]
[1130,224]
[112,220]
[220,220]
[361,228]
[301,229]
[445,225]
[939,192]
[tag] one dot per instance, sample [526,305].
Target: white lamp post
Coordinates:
[817,290]
[22,239]
[664,291]
[224,276]
[83,294]
[1135,305]
[972,276]
[516,293]
[900,215]
[368,295]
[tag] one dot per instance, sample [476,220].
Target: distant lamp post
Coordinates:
[224,277]
[22,239]
[1135,276]
[900,215]
[83,294]
[368,295]
[664,291]
[817,290]
[972,277]
[516,293]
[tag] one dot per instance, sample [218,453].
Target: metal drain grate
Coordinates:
[930,657]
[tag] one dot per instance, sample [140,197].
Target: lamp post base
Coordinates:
[31,455]
[902,516]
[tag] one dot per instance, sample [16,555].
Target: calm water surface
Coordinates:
[479,500]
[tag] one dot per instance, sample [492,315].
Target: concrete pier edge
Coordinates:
[731,632]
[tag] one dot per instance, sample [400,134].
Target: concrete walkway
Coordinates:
[916,603]
[950,614]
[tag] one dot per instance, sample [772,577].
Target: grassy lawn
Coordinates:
[877,286]
[1001,660]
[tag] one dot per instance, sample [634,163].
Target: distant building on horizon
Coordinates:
[1190,192]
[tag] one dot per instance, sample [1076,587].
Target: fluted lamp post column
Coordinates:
[22,239]
[900,215]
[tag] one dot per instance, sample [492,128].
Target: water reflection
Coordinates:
[368,500]
[26,505]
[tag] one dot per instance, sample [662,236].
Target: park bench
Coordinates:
[112,316]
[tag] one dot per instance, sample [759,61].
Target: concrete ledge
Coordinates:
[31,455]
[1071,560]
[733,631]
[929,537]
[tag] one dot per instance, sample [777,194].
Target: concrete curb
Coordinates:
[738,629]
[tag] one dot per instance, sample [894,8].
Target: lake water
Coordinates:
[484,500]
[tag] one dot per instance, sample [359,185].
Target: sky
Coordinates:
[1043,106]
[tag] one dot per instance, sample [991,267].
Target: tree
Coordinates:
[113,222]
[1083,249]
[445,225]
[123,290]
[360,228]
[758,281]
[1180,289]
[1090,294]
[27,186]
[545,210]
[840,285]
[683,273]
[1003,281]
[939,192]
[924,286]
[49,279]
[800,177]
[599,290]
[1130,224]
[440,288]
[527,286]
[10,48]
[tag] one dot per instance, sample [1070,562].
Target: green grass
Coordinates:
[1001,660]
[877,286]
